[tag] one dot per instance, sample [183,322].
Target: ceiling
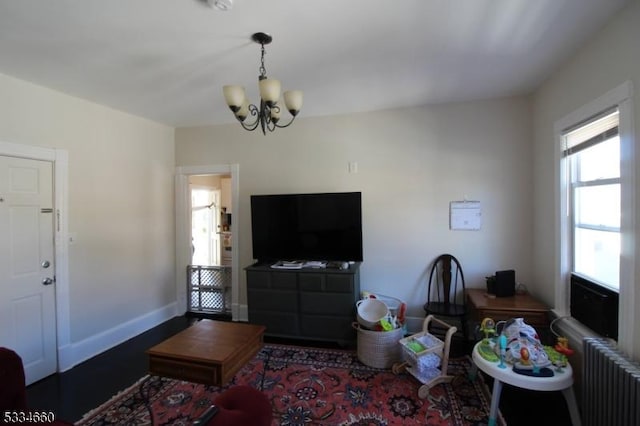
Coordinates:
[167,60]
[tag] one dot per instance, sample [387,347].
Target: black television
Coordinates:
[318,226]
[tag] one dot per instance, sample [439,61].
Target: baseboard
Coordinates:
[414,324]
[240,312]
[73,354]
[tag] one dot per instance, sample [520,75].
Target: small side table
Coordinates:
[561,381]
[481,305]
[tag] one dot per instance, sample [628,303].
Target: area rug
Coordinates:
[309,386]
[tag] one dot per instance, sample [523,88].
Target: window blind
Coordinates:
[585,135]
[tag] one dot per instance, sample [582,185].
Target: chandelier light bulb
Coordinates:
[234,96]
[275,112]
[269,90]
[293,101]
[243,112]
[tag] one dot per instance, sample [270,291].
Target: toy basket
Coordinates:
[393,303]
[370,311]
[378,349]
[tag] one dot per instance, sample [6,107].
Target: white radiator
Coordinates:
[611,385]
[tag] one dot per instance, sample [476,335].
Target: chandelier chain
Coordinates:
[263,70]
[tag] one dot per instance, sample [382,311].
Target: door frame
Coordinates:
[60,160]
[183,231]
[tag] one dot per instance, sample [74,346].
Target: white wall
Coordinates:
[121,210]
[608,60]
[411,164]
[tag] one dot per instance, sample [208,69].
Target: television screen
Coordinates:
[324,226]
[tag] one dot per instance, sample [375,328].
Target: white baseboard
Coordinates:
[414,324]
[73,354]
[240,312]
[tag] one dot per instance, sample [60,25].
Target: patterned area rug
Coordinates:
[309,386]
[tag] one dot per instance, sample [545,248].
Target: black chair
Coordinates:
[446,297]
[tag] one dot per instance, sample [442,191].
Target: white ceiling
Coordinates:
[167,60]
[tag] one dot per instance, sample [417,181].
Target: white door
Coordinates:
[27,269]
[205,232]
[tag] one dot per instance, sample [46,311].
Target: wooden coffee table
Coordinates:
[208,352]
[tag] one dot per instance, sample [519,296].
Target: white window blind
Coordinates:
[602,127]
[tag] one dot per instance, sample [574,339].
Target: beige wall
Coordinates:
[411,164]
[608,60]
[121,209]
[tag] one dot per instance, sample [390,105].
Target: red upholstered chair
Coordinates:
[13,390]
[242,406]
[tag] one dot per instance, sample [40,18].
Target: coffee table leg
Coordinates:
[570,397]
[495,401]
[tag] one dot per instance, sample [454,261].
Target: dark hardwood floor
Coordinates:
[86,386]
[83,388]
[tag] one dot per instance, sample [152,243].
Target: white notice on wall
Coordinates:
[465,215]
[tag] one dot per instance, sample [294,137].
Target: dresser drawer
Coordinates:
[327,304]
[535,319]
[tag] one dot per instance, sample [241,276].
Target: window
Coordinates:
[592,152]
[596,232]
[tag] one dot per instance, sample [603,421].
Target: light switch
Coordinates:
[353,167]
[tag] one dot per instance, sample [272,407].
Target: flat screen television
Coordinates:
[320,226]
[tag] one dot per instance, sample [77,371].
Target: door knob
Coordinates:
[46,264]
[47,281]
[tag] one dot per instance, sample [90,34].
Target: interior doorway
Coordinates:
[206,239]
[209,286]
[60,160]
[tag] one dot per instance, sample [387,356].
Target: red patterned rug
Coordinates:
[309,386]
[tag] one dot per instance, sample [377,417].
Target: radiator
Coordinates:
[611,385]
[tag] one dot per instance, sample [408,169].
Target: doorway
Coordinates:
[56,294]
[206,239]
[209,273]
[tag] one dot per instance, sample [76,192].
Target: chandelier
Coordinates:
[267,114]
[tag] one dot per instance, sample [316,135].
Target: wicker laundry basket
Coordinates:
[379,349]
